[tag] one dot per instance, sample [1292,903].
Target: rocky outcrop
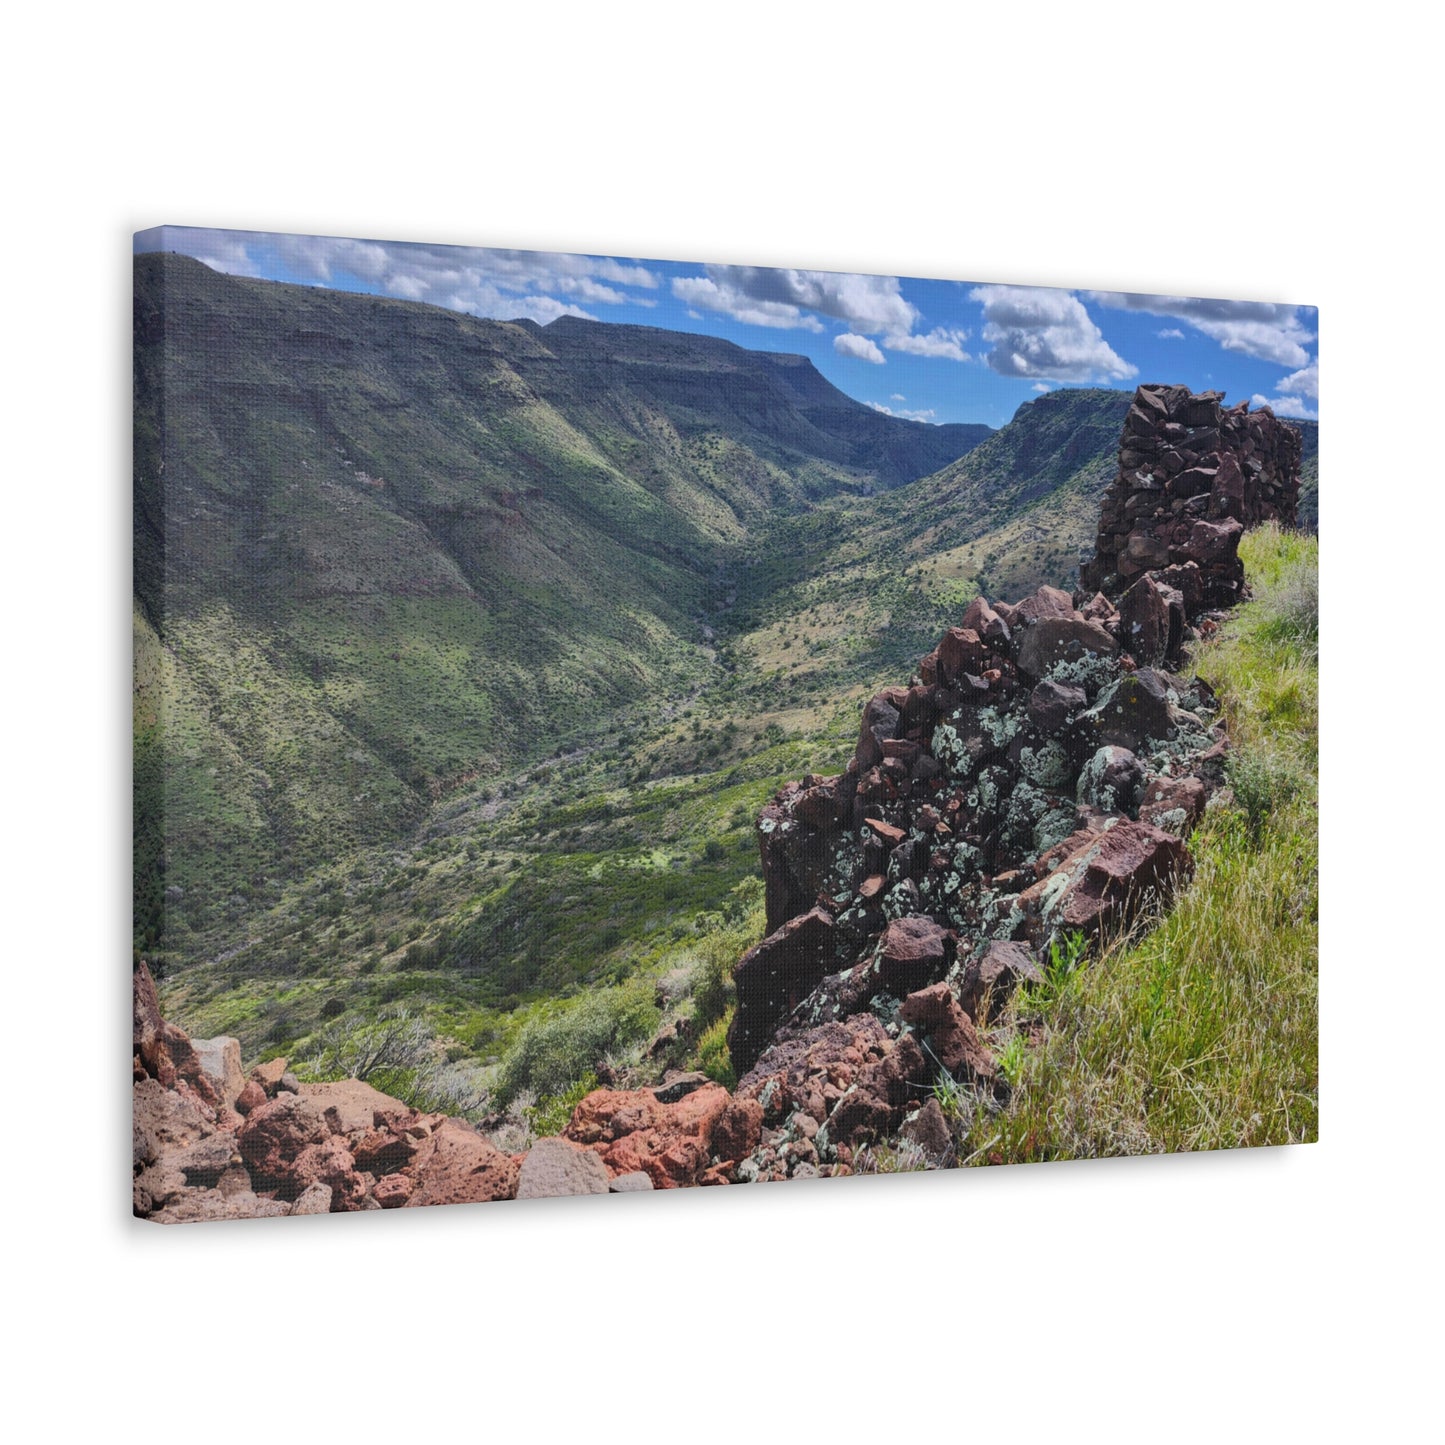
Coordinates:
[286,1147]
[1192,476]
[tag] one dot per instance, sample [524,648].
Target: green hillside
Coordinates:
[386,549]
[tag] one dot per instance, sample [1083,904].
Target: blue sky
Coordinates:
[933,351]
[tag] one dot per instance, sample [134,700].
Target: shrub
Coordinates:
[713,1057]
[553,1053]
[1262,784]
[550,1115]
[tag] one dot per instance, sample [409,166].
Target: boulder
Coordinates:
[638,1183]
[1131,711]
[1103,883]
[1112,781]
[1059,639]
[1173,805]
[1053,704]
[456,1165]
[273,1137]
[353,1107]
[913,951]
[773,977]
[990,979]
[633,1132]
[982,619]
[738,1130]
[952,1039]
[220,1060]
[1046,602]
[555,1167]
[927,1128]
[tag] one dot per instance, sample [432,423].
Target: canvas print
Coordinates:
[605,724]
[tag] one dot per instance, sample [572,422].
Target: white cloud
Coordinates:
[1041,387]
[540,285]
[1288,406]
[1262,329]
[1170,333]
[1303,383]
[858,346]
[867,305]
[941,341]
[897,396]
[704,292]
[1039,332]
[904,415]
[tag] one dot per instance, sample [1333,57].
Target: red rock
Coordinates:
[986,622]
[268,1075]
[952,1039]
[1046,602]
[392,1190]
[961,651]
[329,1162]
[1057,639]
[913,950]
[350,1106]
[251,1097]
[633,1131]
[989,980]
[885,832]
[1103,884]
[929,1130]
[456,1165]
[274,1135]
[738,1129]
[773,977]
[1173,805]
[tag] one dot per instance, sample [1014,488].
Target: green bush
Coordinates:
[551,1054]
[550,1115]
[1262,784]
[713,1057]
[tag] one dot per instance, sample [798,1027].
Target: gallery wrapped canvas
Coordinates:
[605,725]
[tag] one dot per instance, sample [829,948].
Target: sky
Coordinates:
[933,351]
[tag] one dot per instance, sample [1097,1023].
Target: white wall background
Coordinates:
[1230,150]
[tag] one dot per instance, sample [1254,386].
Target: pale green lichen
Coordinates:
[1047,767]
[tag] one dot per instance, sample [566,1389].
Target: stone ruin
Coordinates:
[1192,476]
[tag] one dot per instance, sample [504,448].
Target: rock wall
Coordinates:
[1192,476]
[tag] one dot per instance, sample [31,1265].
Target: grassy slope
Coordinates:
[404,548]
[1204,1034]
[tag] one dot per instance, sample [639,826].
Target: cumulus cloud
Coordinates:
[504,284]
[1303,383]
[897,396]
[905,415]
[1042,387]
[1261,329]
[849,344]
[777,296]
[702,292]
[1170,333]
[1288,406]
[941,341]
[1038,332]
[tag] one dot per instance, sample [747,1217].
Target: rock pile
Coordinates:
[1192,476]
